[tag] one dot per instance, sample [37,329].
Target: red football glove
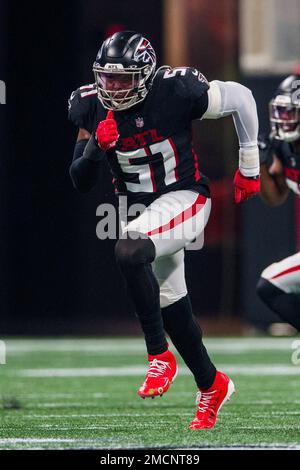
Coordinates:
[245,187]
[107,132]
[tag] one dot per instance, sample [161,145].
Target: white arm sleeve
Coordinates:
[231,98]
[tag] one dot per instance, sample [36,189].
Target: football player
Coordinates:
[279,284]
[139,119]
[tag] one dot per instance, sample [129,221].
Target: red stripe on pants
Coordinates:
[287,271]
[182,217]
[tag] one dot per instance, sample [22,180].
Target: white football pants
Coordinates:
[174,221]
[285,274]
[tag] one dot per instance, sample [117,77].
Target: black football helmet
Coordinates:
[124,69]
[284,110]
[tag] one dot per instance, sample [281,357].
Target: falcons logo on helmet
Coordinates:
[145,52]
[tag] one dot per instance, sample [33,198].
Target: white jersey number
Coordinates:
[139,162]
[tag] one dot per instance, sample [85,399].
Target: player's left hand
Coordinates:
[245,187]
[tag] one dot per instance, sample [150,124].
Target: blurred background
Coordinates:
[56,277]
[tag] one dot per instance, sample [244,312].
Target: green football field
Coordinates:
[81,393]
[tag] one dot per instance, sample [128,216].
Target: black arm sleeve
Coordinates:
[86,166]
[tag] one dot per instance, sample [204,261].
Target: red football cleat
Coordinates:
[161,373]
[210,401]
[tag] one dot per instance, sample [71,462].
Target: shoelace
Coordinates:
[157,368]
[204,401]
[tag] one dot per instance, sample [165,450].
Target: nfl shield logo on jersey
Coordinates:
[139,122]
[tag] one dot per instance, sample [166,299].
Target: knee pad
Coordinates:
[132,252]
[267,291]
[285,305]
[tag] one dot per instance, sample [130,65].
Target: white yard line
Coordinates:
[47,416]
[99,443]
[104,415]
[279,427]
[128,371]
[136,345]
[47,395]
[245,447]
[74,404]
[43,440]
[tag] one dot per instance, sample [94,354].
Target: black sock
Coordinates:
[144,290]
[134,258]
[287,306]
[186,335]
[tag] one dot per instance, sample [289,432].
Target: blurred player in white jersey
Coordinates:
[279,284]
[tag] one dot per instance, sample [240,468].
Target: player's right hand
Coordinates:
[107,132]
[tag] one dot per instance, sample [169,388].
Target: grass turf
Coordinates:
[67,393]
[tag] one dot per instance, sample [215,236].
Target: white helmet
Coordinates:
[284,110]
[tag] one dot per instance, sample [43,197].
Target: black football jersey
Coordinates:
[154,153]
[290,159]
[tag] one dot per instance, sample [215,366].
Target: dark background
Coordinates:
[55,275]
